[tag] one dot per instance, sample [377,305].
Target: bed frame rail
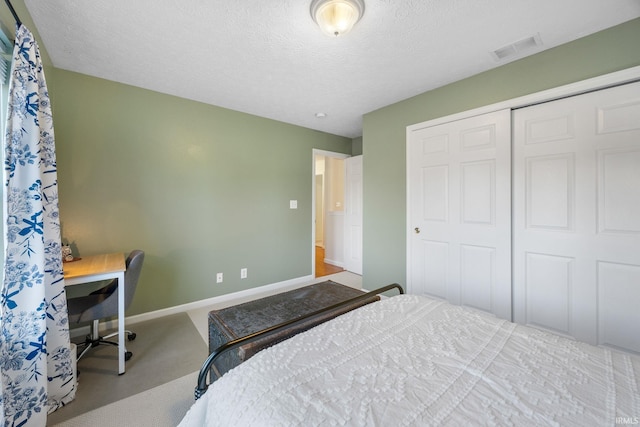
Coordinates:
[202,386]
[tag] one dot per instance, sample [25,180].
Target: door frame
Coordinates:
[317,152]
[616,78]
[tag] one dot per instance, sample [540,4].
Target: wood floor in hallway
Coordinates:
[322,268]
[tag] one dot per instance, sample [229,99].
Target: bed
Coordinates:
[412,360]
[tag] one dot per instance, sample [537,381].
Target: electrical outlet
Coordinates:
[243,273]
[219,278]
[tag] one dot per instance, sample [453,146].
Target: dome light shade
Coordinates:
[336,17]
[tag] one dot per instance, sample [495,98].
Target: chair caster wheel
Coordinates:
[131,336]
[127,355]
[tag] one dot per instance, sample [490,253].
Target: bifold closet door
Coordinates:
[460,212]
[576,196]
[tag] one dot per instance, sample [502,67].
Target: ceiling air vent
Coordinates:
[516,47]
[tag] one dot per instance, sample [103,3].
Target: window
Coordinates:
[6,53]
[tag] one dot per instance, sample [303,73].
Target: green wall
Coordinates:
[356,146]
[384,130]
[201,189]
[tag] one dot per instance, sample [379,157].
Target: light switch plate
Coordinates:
[293,204]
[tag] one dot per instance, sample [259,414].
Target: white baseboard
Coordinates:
[333,262]
[221,299]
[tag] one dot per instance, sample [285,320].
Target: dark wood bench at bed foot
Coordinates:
[241,320]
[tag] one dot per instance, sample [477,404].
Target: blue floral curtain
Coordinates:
[35,357]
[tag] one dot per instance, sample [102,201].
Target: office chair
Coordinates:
[103,303]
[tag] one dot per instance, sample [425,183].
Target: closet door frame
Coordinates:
[604,81]
[601,82]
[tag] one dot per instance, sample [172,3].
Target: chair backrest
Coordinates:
[109,306]
[88,308]
[131,275]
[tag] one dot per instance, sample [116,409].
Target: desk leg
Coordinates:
[121,344]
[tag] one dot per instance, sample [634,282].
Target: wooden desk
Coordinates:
[101,267]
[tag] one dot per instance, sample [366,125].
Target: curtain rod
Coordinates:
[13,12]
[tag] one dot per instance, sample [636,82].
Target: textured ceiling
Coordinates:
[268,58]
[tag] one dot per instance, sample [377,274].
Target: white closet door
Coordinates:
[460,212]
[353,215]
[577,216]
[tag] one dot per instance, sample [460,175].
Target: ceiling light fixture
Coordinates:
[336,17]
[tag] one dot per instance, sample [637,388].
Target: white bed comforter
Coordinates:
[411,360]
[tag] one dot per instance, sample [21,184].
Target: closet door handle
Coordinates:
[417,229]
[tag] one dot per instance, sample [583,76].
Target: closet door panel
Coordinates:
[477,276]
[617,283]
[478,192]
[549,286]
[460,212]
[576,223]
[434,268]
[435,184]
[550,197]
[618,179]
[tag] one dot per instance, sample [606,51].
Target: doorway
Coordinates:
[328,212]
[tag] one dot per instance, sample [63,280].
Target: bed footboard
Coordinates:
[202,385]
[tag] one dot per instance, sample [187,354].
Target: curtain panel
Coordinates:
[35,357]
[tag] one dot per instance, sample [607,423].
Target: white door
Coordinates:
[460,212]
[353,215]
[319,199]
[577,216]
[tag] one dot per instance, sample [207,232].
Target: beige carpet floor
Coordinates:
[162,406]
[164,350]
[156,390]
